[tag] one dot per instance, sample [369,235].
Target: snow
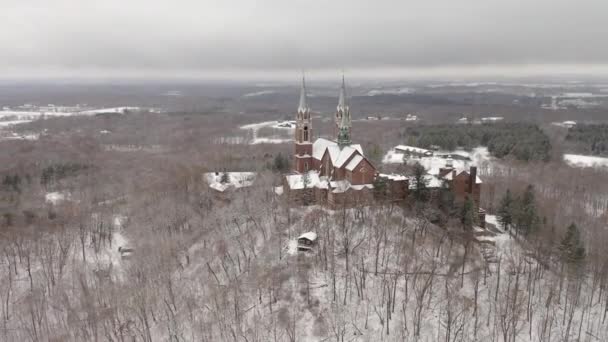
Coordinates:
[278,190]
[390,91]
[566,124]
[56,197]
[492,119]
[114,110]
[492,219]
[354,162]
[13,122]
[292,247]
[577,160]
[312,236]
[235,179]
[296,181]
[259,93]
[338,155]
[479,156]
[409,149]
[255,127]
[393,177]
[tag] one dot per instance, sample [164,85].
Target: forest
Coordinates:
[593,138]
[522,141]
[211,266]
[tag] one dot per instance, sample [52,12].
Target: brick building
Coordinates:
[332,172]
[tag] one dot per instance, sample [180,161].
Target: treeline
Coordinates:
[593,137]
[56,172]
[522,141]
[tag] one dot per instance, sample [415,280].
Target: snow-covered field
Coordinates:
[390,91]
[259,93]
[578,160]
[255,127]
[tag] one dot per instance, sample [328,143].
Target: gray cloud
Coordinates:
[186,35]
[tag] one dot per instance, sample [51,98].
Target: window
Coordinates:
[305,133]
[306,166]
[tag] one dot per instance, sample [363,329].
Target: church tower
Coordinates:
[343,123]
[303,134]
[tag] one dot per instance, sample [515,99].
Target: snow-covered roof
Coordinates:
[354,162]
[448,176]
[345,153]
[311,236]
[393,177]
[412,149]
[338,156]
[343,185]
[296,181]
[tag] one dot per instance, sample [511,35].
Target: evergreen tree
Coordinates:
[225,178]
[280,163]
[380,188]
[571,247]
[506,210]
[420,190]
[469,214]
[306,180]
[526,217]
[446,198]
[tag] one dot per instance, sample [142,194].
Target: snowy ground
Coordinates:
[56,197]
[254,128]
[259,93]
[578,160]
[235,179]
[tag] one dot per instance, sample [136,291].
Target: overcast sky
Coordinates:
[184,37]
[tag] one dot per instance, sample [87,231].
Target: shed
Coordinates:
[306,241]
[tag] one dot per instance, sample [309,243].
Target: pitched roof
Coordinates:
[338,156]
[311,236]
[354,162]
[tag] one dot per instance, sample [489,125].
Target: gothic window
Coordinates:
[305,133]
[306,166]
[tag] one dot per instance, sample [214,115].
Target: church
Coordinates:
[332,172]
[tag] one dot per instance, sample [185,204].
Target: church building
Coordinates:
[328,171]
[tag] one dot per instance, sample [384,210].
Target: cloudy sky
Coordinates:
[234,37]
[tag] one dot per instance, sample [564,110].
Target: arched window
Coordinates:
[305,133]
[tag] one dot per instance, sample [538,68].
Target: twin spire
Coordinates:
[342,120]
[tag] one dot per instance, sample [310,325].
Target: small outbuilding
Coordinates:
[307,241]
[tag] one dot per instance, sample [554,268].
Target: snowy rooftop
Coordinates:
[411,149]
[354,162]
[311,236]
[393,177]
[338,156]
[296,181]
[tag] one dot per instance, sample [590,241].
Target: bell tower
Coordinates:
[303,134]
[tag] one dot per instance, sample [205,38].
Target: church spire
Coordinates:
[342,99]
[343,122]
[303,106]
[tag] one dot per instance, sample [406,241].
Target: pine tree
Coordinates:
[506,210]
[571,247]
[526,217]
[420,183]
[225,178]
[468,215]
[380,188]
[280,163]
